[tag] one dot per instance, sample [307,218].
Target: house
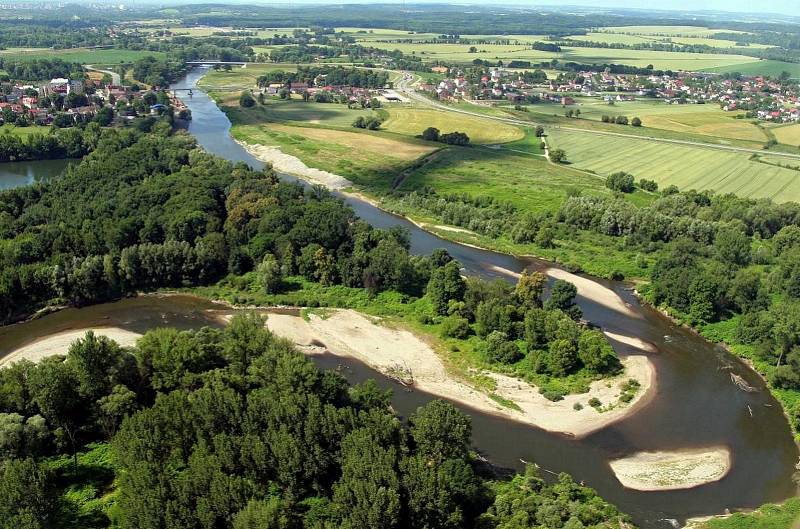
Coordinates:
[566,100]
[440,69]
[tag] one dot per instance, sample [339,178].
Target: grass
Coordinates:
[787,134]
[80,55]
[22,131]
[687,167]
[768,516]
[760,67]
[296,111]
[412,121]
[240,78]
[672,31]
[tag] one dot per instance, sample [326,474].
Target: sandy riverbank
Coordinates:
[682,469]
[59,344]
[594,291]
[349,334]
[286,163]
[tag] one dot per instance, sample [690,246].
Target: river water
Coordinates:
[15,174]
[695,405]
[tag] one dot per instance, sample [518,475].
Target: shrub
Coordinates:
[552,395]
[620,181]
[246,100]
[648,185]
[577,406]
[636,122]
[455,327]
[594,402]
[558,156]
[621,120]
[500,350]
[430,134]
[454,138]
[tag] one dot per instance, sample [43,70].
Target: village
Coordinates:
[759,97]
[66,102]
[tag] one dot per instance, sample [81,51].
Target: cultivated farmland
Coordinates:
[81,55]
[687,167]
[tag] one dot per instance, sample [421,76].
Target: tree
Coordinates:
[430,134]
[262,514]
[621,120]
[455,327]
[539,131]
[595,353]
[246,100]
[620,181]
[648,185]
[557,155]
[529,289]
[444,285]
[27,499]
[269,274]
[454,138]
[120,403]
[636,122]
[440,431]
[562,297]
[732,247]
[499,349]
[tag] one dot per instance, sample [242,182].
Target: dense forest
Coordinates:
[235,429]
[329,75]
[61,143]
[38,69]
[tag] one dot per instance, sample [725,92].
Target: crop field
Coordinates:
[671,31]
[687,167]
[760,67]
[412,121]
[787,134]
[627,38]
[80,55]
[655,114]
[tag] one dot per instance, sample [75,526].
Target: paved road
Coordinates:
[405,86]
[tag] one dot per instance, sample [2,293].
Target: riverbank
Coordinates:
[59,343]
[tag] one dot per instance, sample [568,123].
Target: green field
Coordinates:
[81,55]
[627,38]
[672,31]
[687,167]
[22,131]
[787,134]
[295,111]
[412,121]
[760,67]
[240,78]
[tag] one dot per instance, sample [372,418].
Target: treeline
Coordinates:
[39,69]
[149,210]
[234,429]
[31,35]
[330,75]
[158,72]
[60,143]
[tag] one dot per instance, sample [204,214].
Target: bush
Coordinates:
[454,138]
[636,122]
[620,181]
[577,406]
[430,134]
[455,327]
[558,156]
[594,402]
[500,350]
[648,185]
[371,123]
[246,100]
[552,395]
[621,120]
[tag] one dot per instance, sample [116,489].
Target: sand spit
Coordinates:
[631,341]
[349,334]
[59,344]
[682,469]
[286,163]
[594,291]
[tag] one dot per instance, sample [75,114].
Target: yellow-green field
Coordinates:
[22,131]
[787,134]
[628,38]
[80,55]
[672,31]
[240,78]
[687,167]
[412,121]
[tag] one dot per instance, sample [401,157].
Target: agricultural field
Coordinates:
[787,134]
[687,167]
[627,38]
[412,121]
[671,31]
[760,67]
[295,112]
[80,55]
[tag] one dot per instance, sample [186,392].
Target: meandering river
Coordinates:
[696,403]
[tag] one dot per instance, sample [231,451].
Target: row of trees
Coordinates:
[449,138]
[330,75]
[621,120]
[235,429]
[72,143]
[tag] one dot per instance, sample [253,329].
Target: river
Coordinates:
[695,405]
[15,174]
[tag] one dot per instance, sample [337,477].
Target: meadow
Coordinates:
[412,121]
[787,134]
[239,78]
[628,38]
[672,31]
[760,67]
[80,55]
[22,131]
[687,167]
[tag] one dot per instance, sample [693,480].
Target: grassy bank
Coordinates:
[768,516]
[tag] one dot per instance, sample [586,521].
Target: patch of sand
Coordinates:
[59,344]
[594,291]
[286,163]
[452,228]
[347,333]
[632,341]
[674,470]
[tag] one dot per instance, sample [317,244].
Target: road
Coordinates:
[404,86]
[116,80]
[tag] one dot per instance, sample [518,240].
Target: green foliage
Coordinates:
[455,327]
[431,134]
[620,181]
[445,284]
[246,100]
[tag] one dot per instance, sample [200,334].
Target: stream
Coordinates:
[695,404]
